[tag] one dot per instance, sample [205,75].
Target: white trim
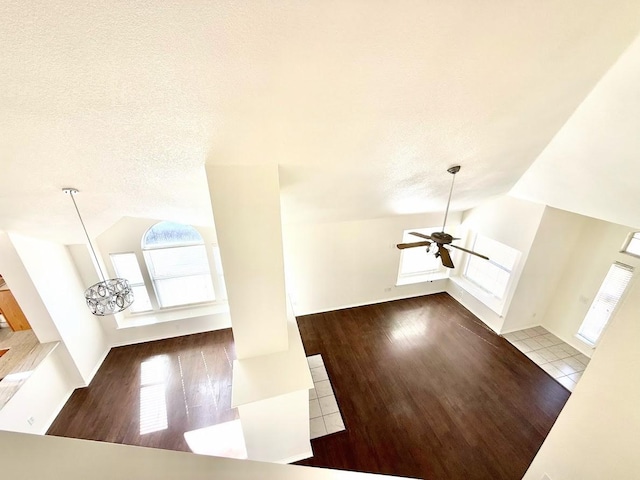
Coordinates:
[626,243]
[584,340]
[173,315]
[98,365]
[57,410]
[374,302]
[421,278]
[296,458]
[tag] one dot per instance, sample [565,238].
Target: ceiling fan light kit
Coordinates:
[441,238]
[110,295]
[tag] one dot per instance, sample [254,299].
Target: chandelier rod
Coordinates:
[71,191]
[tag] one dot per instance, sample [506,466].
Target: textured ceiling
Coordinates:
[363,104]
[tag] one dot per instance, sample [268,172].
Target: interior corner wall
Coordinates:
[25,292]
[338,265]
[54,275]
[597,248]
[596,434]
[512,222]
[556,239]
[84,265]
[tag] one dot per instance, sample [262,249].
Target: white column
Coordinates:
[246,209]
[271,378]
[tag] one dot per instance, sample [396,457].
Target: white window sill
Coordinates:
[490,301]
[172,315]
[427,277]
[585,341]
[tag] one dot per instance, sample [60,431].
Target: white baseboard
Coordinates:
[364,304]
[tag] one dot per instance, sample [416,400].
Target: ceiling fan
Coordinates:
[441,238]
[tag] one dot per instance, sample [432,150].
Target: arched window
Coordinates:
[178,266]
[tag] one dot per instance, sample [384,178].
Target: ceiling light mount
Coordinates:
[108,296]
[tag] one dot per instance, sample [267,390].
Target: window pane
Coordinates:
[414,261]
[491,275]
[141,301]
[633,247]
[184,290]
[217,260]
[126,266]
[499,253]
[169,233]
[417,260]
[611,290]
[218,266]
[177,261]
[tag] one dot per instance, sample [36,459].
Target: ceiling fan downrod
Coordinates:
[452,170]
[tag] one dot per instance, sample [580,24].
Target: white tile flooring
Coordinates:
[324,414]
[557,358]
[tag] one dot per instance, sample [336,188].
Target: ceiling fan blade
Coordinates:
[444,255]
[470,251]
[402,246]
[421,235]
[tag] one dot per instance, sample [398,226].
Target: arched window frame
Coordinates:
[178,279]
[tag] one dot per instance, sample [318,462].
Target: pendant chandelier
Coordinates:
[108,296]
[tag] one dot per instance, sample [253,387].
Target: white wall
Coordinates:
[597,248]
[168,329]
[33,456]
[557,238]
[54,275]
[277,429]
[338,265]
[25,292]
[42,396]
[507,220]
[596,435]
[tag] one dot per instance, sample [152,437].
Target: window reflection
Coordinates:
[153,403]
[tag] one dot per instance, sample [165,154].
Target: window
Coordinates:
[632,245]
[491,275]
[178,265]
[126,266]
[417,263]
[605,302]
[218,267]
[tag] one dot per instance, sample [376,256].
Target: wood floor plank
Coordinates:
[425,390]
[190,378]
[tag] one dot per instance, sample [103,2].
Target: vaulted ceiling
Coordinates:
[363,104]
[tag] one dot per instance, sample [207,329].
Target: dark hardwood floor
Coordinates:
[427,390]
[188,377]
[424,388]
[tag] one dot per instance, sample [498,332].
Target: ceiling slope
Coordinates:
[592,166]
[362,104]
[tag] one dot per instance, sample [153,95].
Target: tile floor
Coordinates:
[557,358]
[324,414]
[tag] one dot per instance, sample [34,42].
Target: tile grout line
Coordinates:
[520,337]
[318,365]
